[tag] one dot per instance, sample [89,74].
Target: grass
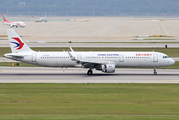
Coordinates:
[88,117]
[175,66]
[21,64]
[171,52]
[91,101]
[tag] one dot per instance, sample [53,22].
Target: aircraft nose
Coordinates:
[172,61]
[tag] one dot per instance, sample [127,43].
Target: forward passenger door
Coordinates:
[155,57]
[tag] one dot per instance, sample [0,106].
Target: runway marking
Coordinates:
[165,30]
[4,59]
[35,81]
[7,70]
[104,28]
[163,81]
[115,36]
[161,30]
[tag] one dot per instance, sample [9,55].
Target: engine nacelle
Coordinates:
[11,26]
[108,68]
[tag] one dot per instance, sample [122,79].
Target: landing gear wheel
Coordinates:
[90,72]
[155,73]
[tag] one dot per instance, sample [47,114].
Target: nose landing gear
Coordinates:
[155,72]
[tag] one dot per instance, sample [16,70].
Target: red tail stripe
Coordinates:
[21,44]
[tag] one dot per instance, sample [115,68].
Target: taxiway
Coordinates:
[78,75]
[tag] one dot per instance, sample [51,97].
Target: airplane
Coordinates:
[102,61]
[43,19]
[13,23]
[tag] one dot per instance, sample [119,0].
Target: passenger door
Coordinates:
[155,57]
[121,58]
[33,57]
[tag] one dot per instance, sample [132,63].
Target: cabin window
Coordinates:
[165,57]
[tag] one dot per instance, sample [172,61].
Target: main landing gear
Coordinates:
[90,72]
[155,72]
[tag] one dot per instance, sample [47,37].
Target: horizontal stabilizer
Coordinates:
[13,55]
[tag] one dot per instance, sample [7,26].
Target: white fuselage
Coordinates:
[103,61]
[120,59]
[43,19]
[12,24]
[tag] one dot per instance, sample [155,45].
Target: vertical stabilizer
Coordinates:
[4,17]
[16,43]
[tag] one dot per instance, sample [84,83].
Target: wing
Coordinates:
[12,24]
[85,63]
[90,64]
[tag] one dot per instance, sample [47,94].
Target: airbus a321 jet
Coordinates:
[102,61]
[13,23]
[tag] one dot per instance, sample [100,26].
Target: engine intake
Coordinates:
[108,68]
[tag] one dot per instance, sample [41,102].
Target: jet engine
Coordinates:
[108,68]
[11,26]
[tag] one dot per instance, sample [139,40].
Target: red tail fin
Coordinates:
[4,17]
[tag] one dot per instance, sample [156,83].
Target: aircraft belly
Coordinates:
[65,63]
[129,63]
[69,63]
[145,63]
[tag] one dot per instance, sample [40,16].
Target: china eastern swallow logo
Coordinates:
[19,44]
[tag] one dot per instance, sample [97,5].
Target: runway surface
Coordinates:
[78,75]
[99,28]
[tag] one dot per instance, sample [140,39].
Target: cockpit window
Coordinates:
[165,57]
